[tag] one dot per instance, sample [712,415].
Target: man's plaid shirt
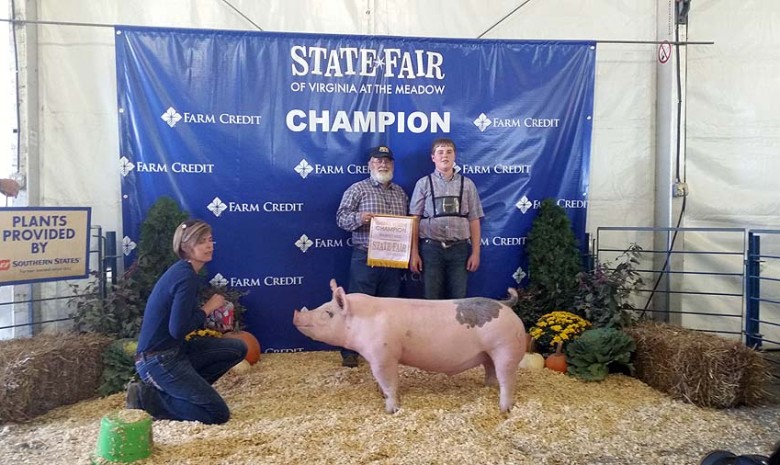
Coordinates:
[369,196]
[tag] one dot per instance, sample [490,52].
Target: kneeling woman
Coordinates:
[177,374]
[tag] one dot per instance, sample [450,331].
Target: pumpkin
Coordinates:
[252,345]
[531,360]
[557,361]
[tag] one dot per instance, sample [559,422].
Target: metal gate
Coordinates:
[720,280]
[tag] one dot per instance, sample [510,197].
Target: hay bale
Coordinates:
[700,368]
[40,373]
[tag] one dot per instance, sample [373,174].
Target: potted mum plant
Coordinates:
[558,327]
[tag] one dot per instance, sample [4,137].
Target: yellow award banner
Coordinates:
[390,241]
[43,244]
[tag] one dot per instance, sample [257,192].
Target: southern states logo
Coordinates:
[5,265]
[172,117]
[483,122]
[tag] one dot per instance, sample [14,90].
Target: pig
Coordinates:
[446,336]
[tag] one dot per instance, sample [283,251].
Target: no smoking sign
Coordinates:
[664,52]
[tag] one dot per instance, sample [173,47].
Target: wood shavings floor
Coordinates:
[305,408]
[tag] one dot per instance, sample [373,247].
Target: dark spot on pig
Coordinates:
[408,333]
[476,311]
[329,313]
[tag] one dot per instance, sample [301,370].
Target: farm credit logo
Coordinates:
[267,281]
[126,167]
[218,206]
[172,117]
[304,243]
[128,245]
[525,204]
[304,169]
[483,122]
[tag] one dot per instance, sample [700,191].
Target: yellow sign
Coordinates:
[390,241]
[43,244]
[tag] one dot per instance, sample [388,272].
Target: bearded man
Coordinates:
[377,195]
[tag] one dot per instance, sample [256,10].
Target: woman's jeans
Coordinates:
[177,382]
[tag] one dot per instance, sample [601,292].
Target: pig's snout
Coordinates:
[299,319]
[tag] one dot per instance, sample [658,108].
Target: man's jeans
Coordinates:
[177,382]
[376,281]
[444,269]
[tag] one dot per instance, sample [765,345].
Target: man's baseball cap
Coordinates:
[382,151]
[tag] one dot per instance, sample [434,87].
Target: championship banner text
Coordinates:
[390,241]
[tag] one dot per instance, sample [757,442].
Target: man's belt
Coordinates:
[445,244]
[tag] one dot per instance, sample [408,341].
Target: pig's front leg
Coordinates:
[386,374]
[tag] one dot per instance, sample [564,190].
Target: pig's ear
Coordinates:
[340,298]
[333,285]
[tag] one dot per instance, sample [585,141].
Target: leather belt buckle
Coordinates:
[444,244]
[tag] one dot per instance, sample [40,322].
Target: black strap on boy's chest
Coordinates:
[433,199]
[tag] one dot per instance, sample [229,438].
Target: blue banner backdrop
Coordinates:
[260,134]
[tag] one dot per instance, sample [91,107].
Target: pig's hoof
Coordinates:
[391,409]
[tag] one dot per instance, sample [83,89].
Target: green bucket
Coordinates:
[125,436]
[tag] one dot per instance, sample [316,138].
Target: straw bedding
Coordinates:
[305,408]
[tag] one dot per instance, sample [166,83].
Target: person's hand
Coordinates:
[473,263]
[216,301]
[9,187]
[365,217]
[415,263]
